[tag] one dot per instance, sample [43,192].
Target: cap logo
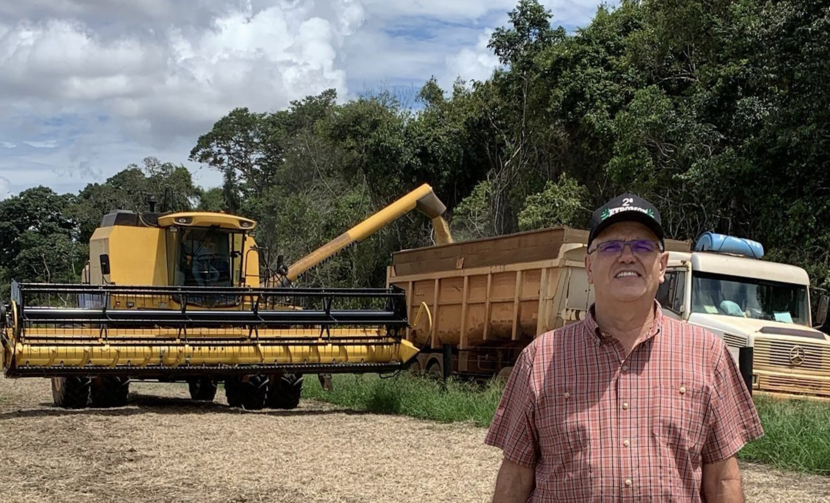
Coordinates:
[613,211]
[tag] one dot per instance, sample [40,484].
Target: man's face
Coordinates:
[626,276]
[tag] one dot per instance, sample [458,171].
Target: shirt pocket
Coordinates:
[679,418]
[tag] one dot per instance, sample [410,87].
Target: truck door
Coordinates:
[672,293]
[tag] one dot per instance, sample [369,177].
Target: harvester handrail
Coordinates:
[202,290]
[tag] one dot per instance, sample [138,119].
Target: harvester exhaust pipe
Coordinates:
[423,199]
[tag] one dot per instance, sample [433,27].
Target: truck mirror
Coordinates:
[821,313]
[105,264]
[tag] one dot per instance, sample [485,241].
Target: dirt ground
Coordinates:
[165,448]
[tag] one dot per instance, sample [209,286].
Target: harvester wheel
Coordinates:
[202,388]
[248,394]
[285,391]
[110,391]
[70,392]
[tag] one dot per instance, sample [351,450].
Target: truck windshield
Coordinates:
[749,298]
[204,258]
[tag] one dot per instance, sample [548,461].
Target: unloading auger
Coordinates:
[177,297]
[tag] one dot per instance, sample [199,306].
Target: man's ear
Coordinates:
[588,269]
[664,262]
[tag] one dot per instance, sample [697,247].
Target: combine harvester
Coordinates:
[178,297]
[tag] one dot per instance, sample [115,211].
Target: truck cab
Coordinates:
[755,304]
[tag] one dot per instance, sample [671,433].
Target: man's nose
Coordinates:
[627,256]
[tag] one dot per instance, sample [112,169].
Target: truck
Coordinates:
[180,296]
[487,299]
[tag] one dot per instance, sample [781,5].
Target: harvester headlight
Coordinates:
[244,223]
[182,220]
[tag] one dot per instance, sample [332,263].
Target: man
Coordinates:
[626,405]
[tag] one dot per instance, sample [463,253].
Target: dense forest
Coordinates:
[718,111]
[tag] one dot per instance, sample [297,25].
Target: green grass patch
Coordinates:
[796,435]
[422,398]
[796,432]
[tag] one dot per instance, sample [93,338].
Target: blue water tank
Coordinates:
[721,243]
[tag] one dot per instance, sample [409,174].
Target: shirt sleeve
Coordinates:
[733,420]
[513,429]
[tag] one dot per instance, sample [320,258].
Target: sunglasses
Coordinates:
[638,247]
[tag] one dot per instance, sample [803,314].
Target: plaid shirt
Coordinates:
[598,426]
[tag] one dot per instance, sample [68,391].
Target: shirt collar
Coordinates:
[656,325]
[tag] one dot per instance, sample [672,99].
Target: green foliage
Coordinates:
[422,398]
[560,203]
[796,435]
[170,185]
[473,217]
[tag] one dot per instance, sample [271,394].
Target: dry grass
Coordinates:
[164,448]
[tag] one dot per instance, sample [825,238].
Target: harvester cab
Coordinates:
[178,297]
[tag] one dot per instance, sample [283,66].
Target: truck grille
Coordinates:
[734,341]
[793,355]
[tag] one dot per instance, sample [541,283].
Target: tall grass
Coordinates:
[796,435]
[422,398]
[796,432]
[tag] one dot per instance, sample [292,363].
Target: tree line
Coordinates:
[717,111]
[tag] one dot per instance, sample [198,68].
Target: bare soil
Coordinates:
[165,448]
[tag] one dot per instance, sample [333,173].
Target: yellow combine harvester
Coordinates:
[177,297]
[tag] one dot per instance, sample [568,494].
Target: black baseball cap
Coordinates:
[626,207]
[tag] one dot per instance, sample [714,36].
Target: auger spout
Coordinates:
[423,199]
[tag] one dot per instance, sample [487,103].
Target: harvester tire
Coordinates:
[249,395]
[285,391]
[110,391]
[71,392]
[202,388]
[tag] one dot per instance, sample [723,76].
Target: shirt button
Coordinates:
[628,482]
[625,406]
[625,368]
[567,395]
[626,443]
[682,390]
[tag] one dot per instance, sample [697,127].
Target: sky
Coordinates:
[88,87]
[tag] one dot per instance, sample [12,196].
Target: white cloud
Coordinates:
[178,81]
[473,63]
[88,86]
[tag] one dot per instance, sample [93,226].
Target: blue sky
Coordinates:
[88,87]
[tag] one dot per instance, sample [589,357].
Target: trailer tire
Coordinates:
[202,388]
[70,392]
[249,395]
[285,391]
[110,391]
[434,370]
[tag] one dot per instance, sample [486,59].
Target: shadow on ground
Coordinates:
[143,404]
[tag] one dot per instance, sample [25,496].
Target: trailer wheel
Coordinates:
[70,392]
[110,391]
[434,370]
[415,369]
[285,391]
[202,388]
[249,395]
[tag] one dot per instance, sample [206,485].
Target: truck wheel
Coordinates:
[70,392]
[110,391]
[415,369]
[202,388]
[434,370]
[249,395]
[285,391]
[504,373]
